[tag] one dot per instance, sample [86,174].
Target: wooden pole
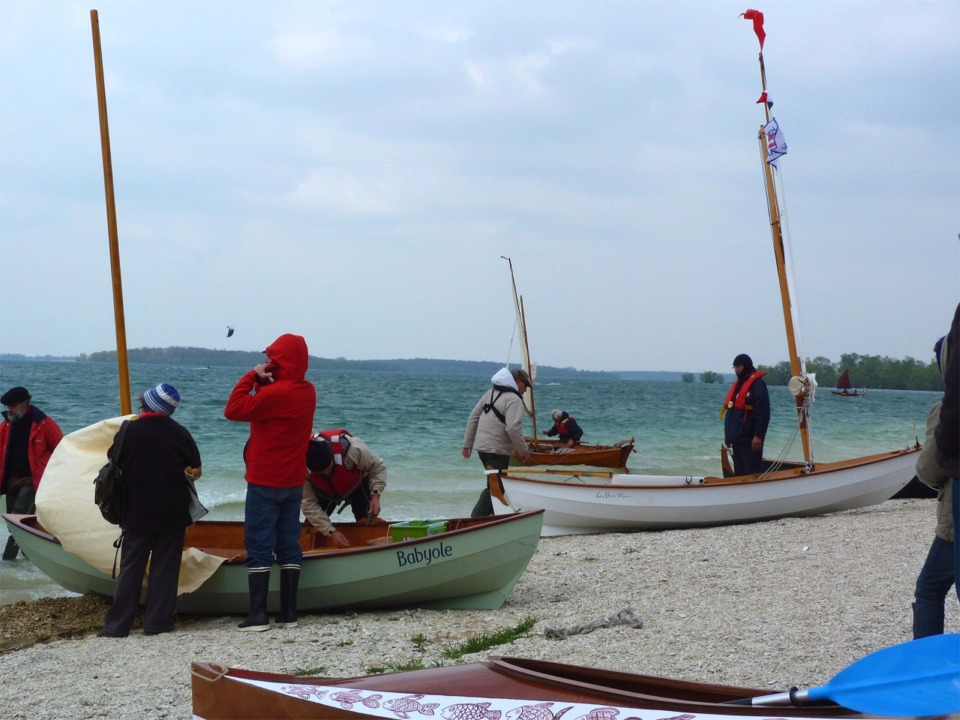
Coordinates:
[780,255]
[122,366]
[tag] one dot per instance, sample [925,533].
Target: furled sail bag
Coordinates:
[109,493]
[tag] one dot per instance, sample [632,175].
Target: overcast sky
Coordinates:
[353,172]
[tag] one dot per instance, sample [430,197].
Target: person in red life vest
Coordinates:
[155,455]
[746,414]
[342,469]
[278,402]
[566,427]
[28,438]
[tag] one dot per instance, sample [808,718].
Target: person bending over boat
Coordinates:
[342,469]
[278,402]
[746,414]
[566,427]
[495,426]
[937,575]
[28,438]
[155,457]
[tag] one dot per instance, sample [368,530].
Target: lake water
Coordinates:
[415,422]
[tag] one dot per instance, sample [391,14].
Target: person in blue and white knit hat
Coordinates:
[162,399]
[158,457]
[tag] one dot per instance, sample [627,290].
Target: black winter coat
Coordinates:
[155,451]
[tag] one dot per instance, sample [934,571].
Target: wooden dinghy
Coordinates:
[553,452]
[474,564]
[512,688]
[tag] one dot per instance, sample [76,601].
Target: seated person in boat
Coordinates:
[746,414]
[341,469]
[566,427]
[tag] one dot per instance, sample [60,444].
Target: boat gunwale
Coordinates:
[535,674]
[21,520]
[823,468]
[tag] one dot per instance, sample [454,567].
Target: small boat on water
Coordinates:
[882,684]
[451,563]
[593,501]
[554,452]
[845,388]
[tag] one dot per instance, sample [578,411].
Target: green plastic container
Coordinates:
[416,529]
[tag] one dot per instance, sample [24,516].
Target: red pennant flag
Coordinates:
[757,18]
[762,98]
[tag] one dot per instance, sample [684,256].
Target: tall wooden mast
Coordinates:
[773,206]
[122,366]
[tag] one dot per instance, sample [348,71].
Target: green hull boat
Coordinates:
[473,564]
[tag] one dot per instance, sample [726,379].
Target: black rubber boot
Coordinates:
[259,582]
[289,580]
[11,550]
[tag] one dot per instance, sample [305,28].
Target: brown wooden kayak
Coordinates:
[497,687]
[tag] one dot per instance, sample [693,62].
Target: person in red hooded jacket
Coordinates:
[278,402]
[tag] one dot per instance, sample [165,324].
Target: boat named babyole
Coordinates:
[466,563]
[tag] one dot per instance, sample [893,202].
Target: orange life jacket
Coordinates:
[739,402]
[561,425]
[342,482]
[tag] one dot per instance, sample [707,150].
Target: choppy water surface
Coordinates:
[415,422]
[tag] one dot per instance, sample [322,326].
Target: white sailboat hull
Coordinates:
[595,502]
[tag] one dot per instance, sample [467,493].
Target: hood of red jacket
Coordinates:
[288,358]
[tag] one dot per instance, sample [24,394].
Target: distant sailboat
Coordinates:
[229,331]
[845,388]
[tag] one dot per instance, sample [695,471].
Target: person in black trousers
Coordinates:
[158,457]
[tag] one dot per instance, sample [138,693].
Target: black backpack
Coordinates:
[109,492]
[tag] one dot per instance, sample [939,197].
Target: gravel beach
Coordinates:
[769,605]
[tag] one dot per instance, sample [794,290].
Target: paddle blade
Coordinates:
[921,677]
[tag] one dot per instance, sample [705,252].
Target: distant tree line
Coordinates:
[203,357]
[869,371]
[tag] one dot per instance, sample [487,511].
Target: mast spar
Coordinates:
[773,207]
[120,325]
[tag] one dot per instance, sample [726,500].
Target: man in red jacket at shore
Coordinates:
[278,402]
[28,437]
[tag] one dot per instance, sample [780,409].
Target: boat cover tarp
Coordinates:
[66,509]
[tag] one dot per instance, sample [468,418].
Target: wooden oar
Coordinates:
[920,677]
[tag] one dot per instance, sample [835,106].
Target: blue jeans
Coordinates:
[272,526]
[933,586]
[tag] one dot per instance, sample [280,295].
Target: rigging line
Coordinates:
[791,266]
[510,346]
[778,461]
